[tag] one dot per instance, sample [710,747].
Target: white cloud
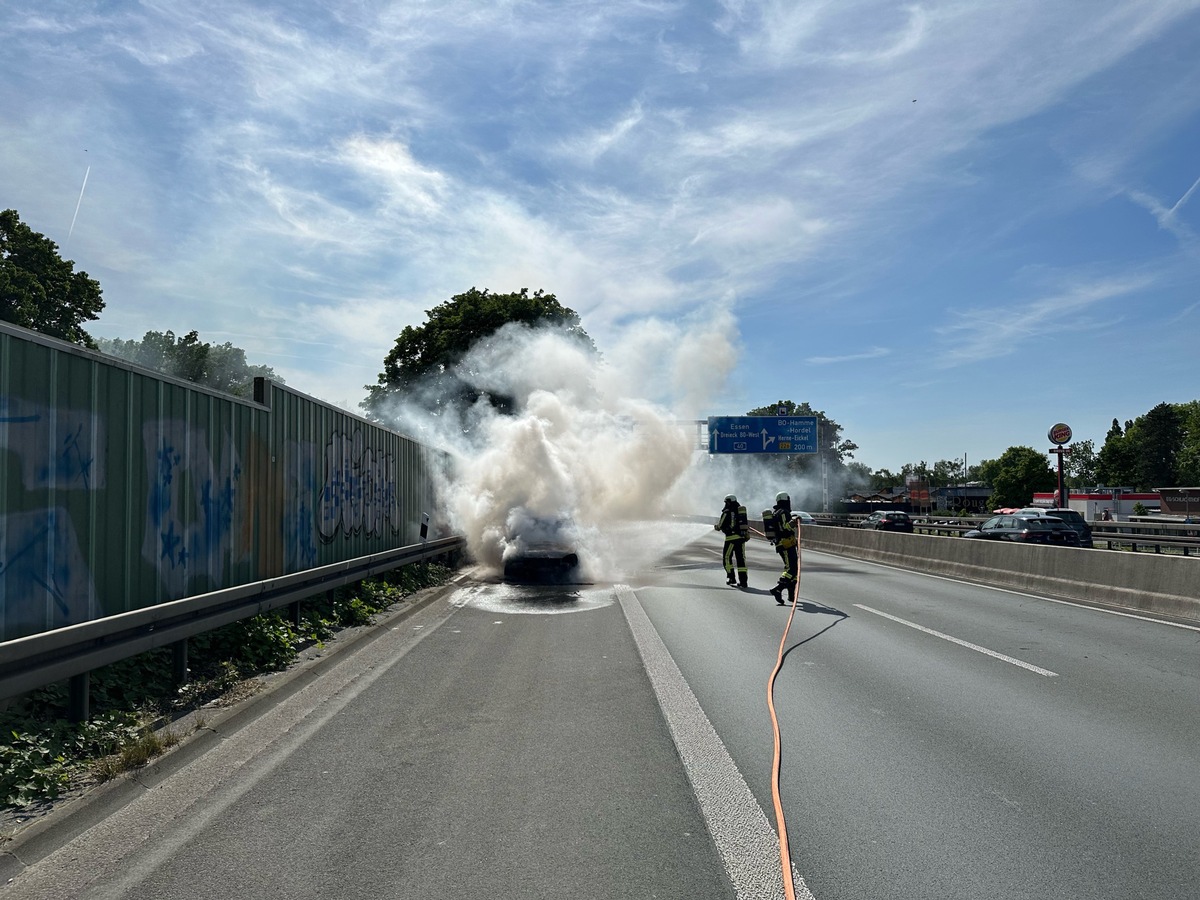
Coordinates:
[1006,330]
[870,353]
[316,177]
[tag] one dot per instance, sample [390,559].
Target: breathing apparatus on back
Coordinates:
[776,517]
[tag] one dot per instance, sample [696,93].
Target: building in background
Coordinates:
[1092,502]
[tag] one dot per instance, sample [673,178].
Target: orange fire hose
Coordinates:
[785,854]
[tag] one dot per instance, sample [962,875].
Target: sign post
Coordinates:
[1060,434]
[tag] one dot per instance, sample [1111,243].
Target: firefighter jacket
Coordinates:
[734,523]
[785,530]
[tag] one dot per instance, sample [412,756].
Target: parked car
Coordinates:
[805,518]
[1070,517]
[888,520]
[1027,529]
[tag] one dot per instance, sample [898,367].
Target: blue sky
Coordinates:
[949,225]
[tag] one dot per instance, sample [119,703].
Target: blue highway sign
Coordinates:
[762,434]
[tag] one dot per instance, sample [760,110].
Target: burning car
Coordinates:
[540,551]
[543,564]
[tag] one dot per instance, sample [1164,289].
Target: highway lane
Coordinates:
[505,743]
[1063,762]
[941,740]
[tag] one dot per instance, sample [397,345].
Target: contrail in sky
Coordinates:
[78,204]
[1183,199]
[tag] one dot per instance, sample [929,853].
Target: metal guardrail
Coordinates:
[1156,542]
[1156,537]
[37,660]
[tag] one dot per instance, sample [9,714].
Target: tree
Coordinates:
[1148,453]
[39,289]
[221,367]
[1080,464]
[920,471]
[947,472]
[1157,438]
[431,353]
[858,476]
[885,479]
[942,473]
[1019,473]
[1188,462]
[1115,464]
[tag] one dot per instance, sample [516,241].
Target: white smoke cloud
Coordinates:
[593,448]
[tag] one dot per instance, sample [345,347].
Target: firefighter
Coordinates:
[735,525]
[786,530]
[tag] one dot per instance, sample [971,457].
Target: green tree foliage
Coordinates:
[1114,464]
[430,354]
[942,473]
[1018,474]
[884,479]
[1188,461]
[859,476]
[222,367]
[1158,436]
[986,470]
[947,472]
[39,289]
[1156,450]
[1079,465]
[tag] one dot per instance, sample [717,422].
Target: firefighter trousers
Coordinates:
[735,559]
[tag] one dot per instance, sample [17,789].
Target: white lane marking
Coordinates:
[945,637]
[748,845]
[1015,593]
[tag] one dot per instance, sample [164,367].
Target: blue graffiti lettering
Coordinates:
[192,504]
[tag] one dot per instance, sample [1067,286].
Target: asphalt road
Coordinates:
[943,740]
[940,740]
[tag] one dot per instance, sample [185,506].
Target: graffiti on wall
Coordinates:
[57,448]
[215,508]
[44,579]
[359,495]
[299,530]
[191,505]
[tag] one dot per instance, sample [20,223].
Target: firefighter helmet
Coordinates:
[730,498]
[782,497]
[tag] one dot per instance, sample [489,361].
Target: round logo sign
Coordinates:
[1060,434]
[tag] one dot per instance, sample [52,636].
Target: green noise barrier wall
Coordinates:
[121,488]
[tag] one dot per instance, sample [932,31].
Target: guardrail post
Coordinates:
[79,689]
[294,612]
[179,661]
